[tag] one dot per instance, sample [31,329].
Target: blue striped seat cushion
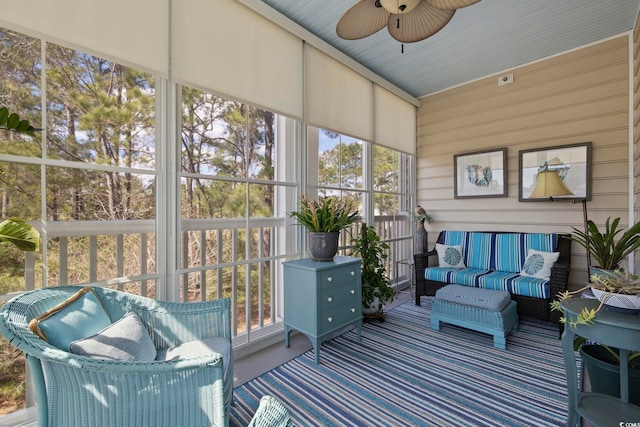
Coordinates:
[515,284]
[458,276]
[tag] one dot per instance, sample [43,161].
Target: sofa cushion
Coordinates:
[475,297]
[515,284]
[458,276]
[538,264]
[79,316]
[125,339]
[450,256]
[512,249]
[508,253]
[477,247]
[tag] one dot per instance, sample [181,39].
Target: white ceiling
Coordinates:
[486,38]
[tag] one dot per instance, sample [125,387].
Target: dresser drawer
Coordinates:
[339,315]
[336,295]
[337,275]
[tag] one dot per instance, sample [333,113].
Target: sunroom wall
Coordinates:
[579,96]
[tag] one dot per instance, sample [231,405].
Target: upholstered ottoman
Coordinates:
[483,310]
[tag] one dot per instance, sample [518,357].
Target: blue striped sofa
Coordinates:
[494,260]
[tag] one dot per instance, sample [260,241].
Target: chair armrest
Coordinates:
[421,261]
[559,278]
[270,413]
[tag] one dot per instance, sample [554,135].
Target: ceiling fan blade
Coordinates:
[451,4]
[363,19]
[422,22]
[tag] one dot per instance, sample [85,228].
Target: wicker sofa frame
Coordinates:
[527,306]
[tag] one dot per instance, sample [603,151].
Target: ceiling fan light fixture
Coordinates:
[399,6]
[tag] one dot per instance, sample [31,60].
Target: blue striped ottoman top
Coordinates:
[488,299]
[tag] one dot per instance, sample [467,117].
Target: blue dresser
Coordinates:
[321,298]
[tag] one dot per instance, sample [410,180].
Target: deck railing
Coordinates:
[218,257]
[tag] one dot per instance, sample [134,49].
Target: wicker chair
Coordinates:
[73,390]
[271,413]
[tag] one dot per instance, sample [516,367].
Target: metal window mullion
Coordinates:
[120,258]
[93,258]
[234,281]
[185,265]
[203,262]
[219,276]
[260,279]
[143,263]
[63,259]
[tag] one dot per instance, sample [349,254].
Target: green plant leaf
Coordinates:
[13,120]
[4,115]
[21,234]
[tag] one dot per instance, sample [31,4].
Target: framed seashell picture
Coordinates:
[480,174]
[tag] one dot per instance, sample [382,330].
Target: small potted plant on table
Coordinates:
[324,219]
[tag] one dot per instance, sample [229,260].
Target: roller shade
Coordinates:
[337,97]
[395,121]
[226,47]
[135,32]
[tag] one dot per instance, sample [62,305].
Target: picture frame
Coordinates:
[572,162]
[480,174]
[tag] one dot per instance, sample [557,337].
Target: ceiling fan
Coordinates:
[408,21]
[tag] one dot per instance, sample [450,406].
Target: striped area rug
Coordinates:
[403,373]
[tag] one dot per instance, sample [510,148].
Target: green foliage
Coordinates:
[618,282]
[20,234]
[13,122]
[14,230]
[375,282]
[329,214]
[602,245]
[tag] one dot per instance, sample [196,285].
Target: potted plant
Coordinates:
[606,251]
[617,291]
[324,219]
[376,286]
[602,363]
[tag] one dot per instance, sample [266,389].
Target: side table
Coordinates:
[322,297]
[614,329]
[408,262]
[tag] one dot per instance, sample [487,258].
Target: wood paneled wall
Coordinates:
[579,96]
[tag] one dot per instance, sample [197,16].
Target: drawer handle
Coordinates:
[353,310]
[353,273]
[330,299]
[330,319]
[329,279]
[353,291]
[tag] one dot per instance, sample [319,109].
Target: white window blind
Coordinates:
[224,46]
[130,32]
[395,121]
[337,97]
